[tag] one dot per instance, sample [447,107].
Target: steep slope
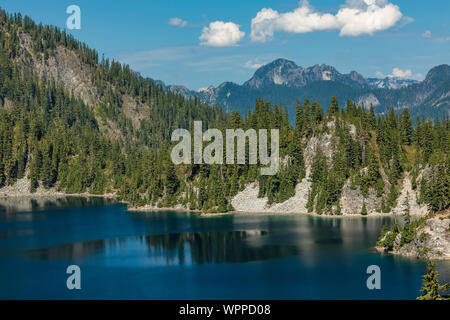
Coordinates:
[71,123]
[125,104]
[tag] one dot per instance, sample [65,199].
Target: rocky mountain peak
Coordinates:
[288,73]
[438,74]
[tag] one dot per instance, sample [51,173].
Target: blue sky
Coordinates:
[410,36]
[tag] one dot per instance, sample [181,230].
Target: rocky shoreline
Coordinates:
[429,240]
[245,202]
[21,189]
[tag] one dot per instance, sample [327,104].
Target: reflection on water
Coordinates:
[28,206]
[176,248]
[246,239]
[71,251]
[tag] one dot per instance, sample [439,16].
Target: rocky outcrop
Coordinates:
[22,189]
[352,201]
[248,201]
[431,240]
[324,143]
[407,200]
[64,67]
[287,73]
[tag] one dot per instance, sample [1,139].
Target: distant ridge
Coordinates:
[283,81]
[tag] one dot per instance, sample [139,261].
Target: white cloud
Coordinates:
[177,22]
[355,18]
[405,74]
[251,64]
[379,74]
[221,34]
[427,34]
[398,73]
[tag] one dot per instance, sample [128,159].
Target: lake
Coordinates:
[178,255]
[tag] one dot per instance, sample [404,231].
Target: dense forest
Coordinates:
[51,136]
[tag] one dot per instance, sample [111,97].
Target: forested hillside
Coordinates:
[75,122]
[90,139]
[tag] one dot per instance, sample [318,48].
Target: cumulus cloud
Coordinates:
[355,18]
[427,34]
[177,22]
[221,34]
[398,73]
[404,74]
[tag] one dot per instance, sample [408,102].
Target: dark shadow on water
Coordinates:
[195,247]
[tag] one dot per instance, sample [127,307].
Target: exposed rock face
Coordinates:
[248,201]
[368,100]
[287,73]
[65,67]
[352,201]
[324,142]
[22,189]
[408,197]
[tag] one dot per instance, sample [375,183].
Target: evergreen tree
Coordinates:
[364,209]
[334,106]
[372,121]
[431,289]
[406,127]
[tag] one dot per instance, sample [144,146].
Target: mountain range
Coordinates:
[283,81]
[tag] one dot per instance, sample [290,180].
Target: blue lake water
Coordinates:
[176,255]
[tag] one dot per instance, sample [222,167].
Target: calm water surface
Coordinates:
[175,255]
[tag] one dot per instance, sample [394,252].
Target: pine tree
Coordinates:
[338,211]
[364,209]
[334,106]
[373,171]
[406,127]
[299,120]
[438,188]
[372,121]
[172,182]
[431,289]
